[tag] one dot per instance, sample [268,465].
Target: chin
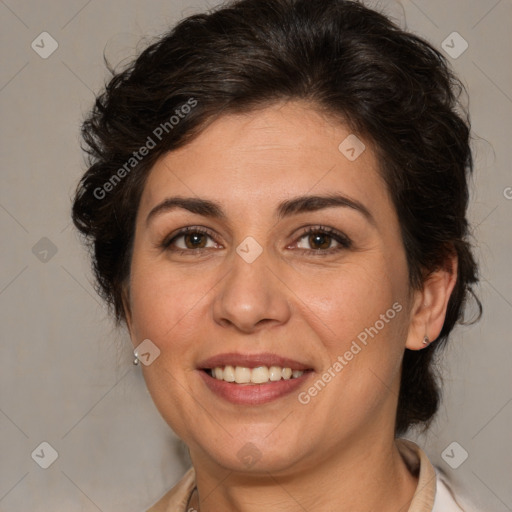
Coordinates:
[256,456]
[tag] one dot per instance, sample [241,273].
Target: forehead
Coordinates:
[265,155]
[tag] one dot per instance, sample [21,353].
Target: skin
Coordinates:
[339,448]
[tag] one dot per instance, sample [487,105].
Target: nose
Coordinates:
[251,297]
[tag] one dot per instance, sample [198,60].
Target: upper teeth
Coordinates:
[260,375]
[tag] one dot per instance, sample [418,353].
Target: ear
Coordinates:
[430,303]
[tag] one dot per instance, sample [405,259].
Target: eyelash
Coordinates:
[344,241]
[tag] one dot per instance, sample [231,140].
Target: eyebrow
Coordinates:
[287,208]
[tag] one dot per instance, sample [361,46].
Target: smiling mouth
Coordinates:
[258,375]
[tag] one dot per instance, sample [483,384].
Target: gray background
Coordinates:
[66,374]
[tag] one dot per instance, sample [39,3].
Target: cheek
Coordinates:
[360,317]
[166,302]
[362,330]
[168,309]
[348,300]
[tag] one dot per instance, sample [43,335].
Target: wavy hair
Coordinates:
[344,59]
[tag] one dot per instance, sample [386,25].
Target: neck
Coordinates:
[364,476]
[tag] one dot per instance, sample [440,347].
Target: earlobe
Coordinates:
[430,306]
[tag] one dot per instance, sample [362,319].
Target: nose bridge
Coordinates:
[250,291]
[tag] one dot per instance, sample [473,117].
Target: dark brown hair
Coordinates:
[344,59]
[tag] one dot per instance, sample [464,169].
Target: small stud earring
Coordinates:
[136,361]
[426,340]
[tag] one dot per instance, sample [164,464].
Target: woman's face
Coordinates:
[267,278]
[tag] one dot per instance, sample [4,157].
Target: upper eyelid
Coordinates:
[304,231]
[184,231]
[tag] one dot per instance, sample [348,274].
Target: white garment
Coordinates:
[447,499]
[444,501]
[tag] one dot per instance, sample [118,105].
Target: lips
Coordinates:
[246,379]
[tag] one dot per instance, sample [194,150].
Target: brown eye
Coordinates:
[320,241]
[323,241]
[190,239]
[194,240]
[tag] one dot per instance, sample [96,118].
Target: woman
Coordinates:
[276,204]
